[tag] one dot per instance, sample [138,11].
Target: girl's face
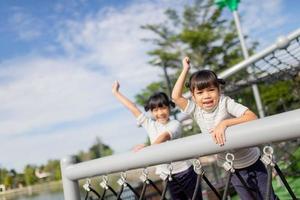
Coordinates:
[207,98]
[161,114]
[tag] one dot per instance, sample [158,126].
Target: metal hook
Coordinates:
[122,180]
[197,166]
[267,157]
[144,176]
[87,185]
[105,178]
[123,176]
[196,163]
[170,168]
[145,172]
[268,150]
[104,182]
[228,165]
[229,157]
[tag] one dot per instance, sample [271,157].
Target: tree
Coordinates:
[53,167]
[97,150]
[199,32]
[29,175]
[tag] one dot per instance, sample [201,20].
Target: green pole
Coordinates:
[231,4]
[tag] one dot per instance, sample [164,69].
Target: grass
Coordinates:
[281,191]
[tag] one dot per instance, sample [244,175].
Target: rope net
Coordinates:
[281,64]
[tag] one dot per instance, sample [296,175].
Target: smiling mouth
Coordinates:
[162,118]
[208,102]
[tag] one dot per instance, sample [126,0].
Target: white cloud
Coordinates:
[25,26]
[262,20]
[39,93]
[43,92]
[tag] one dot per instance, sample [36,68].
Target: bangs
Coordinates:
[202,84]
[158,100]
[157,103]
[204,79]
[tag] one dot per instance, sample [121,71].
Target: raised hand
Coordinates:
[186,63]
[115,87]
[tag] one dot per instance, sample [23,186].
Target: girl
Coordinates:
[160,129]
[215,112]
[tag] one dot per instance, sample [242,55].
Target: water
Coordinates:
[43,196]
[39,196]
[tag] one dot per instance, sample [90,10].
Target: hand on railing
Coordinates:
[138,147]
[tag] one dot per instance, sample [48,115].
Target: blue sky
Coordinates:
[58,60]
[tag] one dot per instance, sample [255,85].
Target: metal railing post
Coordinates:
[71,187]
[255,89]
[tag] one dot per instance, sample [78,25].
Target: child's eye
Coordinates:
[154,110]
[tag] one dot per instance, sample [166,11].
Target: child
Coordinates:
[215,112]
[160,129]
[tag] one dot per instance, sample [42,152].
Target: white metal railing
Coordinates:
[281,42]
[274,128]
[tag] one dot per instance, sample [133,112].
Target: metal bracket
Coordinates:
[104,182]
[144,176]
[122,180]
[198,167]
[228,165]
[87,185]
[267,157]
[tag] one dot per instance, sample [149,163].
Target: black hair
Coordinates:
[158,100]
[204,79]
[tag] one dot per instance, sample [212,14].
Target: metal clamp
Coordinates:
[87,185]
[122,180]
[228,165]
[104,182]
[267,157]
[198,167]
[170,168]
[144,176]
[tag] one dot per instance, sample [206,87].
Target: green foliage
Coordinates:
[280,96]
[199,32]
[29,175]
[53,167]
[142,97]
[8,180]
[97,150]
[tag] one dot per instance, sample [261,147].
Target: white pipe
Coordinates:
[275,128]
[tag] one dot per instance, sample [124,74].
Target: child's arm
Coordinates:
[218,133]
[177,97]
[126,102]
[161,138]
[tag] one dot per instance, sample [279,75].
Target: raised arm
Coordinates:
[124,100]
[177,97]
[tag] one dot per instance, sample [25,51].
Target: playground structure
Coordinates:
[279,61]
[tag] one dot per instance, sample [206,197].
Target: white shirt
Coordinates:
[227,108]
[154,130]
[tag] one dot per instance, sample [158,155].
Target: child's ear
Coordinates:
[193,97]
